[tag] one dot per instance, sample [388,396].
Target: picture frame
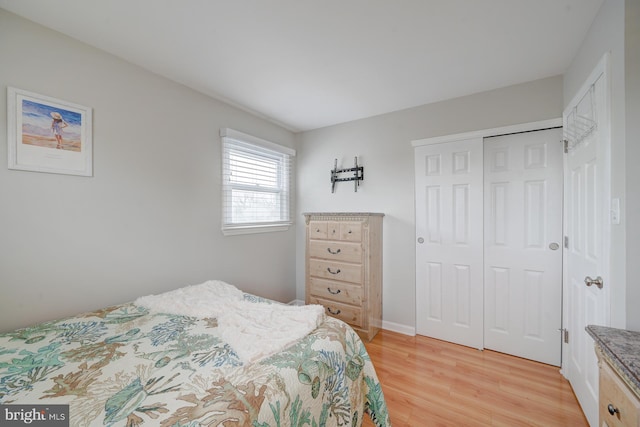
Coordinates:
[46,134]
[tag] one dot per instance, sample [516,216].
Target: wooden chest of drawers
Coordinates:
[344,267]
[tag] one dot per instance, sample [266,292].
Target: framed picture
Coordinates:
[48,135]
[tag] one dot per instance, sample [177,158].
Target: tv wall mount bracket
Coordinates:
[337,175]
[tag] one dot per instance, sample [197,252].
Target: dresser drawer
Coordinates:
[317,229]
[334,250]
[335,270]
[334,230]
[615,396]
[336,291]
[351,231]
[346,313]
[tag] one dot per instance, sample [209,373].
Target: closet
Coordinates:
[489,242]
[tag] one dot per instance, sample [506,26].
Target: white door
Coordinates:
[587,230]
[523,244]
[449,283]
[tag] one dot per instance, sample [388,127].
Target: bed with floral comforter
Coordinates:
[127,365]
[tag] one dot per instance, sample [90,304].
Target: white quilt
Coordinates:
[253,329]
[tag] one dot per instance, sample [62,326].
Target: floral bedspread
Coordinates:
[124,366]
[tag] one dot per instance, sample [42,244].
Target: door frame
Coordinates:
[486,133]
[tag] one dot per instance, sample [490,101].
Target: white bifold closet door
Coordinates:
[449,278]
[523,244]
[489,243]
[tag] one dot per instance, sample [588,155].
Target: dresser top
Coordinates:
[622,349]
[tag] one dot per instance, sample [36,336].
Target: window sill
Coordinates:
[254,229]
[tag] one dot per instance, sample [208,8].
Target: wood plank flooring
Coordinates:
[427,382]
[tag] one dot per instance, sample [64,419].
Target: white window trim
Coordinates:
[234,134]
[239,229]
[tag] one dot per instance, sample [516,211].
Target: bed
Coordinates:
[206,354]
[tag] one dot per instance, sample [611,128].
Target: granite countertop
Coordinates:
[622,350]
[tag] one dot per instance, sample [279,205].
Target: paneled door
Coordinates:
[449,279]
[587,290]
[523,244]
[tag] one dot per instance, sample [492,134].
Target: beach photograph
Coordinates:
[48,134]
[51,127]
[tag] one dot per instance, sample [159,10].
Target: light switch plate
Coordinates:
[615,211]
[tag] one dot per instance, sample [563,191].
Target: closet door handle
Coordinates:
[333,252]
[333,272]
[597,281]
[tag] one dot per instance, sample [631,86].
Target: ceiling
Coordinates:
[306,64]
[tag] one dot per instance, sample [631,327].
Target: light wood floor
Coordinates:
[427,382]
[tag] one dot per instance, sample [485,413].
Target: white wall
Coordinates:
[383,145]
[149,220]
[607,35]
[632,155]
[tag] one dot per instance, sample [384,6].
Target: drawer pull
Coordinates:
[333,312]
[317,230]
[332,252]
[333,272]
[612,409]
[333,292]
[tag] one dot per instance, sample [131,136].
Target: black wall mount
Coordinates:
[357,171]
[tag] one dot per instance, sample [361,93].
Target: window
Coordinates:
[256,184]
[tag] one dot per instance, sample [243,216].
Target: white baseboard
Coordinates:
[297,302]
[399,328]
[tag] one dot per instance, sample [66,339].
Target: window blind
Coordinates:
[256,183]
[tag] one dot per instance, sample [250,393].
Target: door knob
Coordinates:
[420,240]
[597,281]
[554,246]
